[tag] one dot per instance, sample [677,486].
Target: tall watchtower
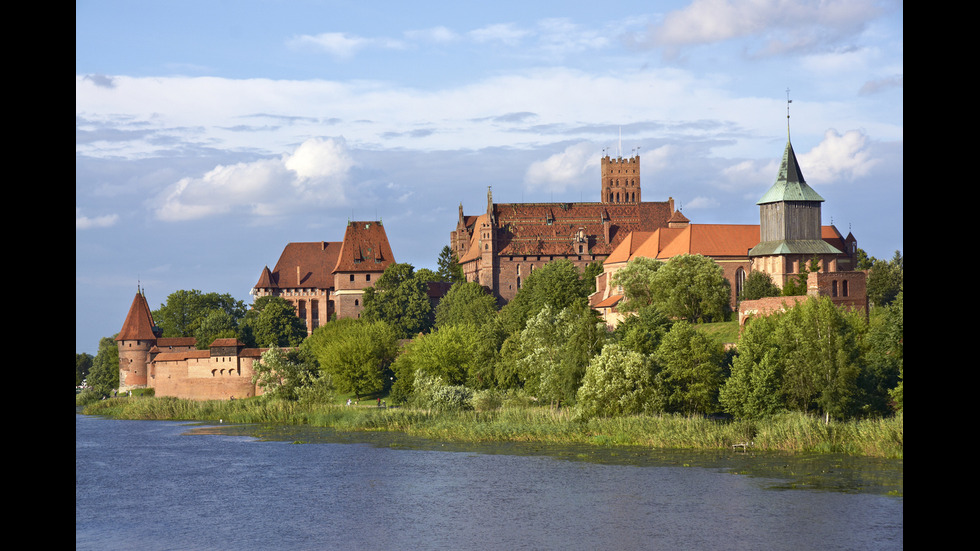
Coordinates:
[620,180]
[135,340]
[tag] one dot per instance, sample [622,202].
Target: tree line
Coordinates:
[548,346]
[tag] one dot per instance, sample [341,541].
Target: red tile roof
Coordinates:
[139,322]
[365,248]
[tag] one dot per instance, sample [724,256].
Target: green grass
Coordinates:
[789,432]
[722,331]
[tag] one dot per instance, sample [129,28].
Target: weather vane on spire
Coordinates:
[788,101]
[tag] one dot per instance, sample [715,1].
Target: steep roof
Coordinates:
[551,228]
[790,185]
[139,322]
[302,265]
[365,248]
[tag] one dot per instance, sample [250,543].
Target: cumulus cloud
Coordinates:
[86,223]
[573,167]
[313,175]
[785,24]
[838,157]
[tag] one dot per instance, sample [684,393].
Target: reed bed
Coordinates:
[788,432]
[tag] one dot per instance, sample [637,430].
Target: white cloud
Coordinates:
[505,33]
[87,223]
[785,24]
[837,157]
[571,168]
[312,176]
[342,45]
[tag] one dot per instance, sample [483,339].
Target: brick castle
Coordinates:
[499,249]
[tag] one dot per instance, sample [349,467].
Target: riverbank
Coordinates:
[789,432]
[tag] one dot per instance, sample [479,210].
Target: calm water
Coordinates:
[152,485]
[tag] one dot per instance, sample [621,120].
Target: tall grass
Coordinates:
[789,432]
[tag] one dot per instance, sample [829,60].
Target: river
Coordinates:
[162,485]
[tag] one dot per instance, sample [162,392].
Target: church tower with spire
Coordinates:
[790,224]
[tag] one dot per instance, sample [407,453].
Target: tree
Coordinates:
[692,287]
[466,303]
[272,321]
[182,313]
[400,298]
[690,371]
[617,382]
[548,358]
[754,389]
[448,267]
[356,353]
[283,374]
[103,378]
[885,280]
[758,285]
[884,359]
[643,331]
[216,324]
[557,284]
[83,363]
[797,286]
[457,355]
[637,281]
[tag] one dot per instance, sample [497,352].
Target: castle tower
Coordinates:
[488,271]
[138,335]
[620,180]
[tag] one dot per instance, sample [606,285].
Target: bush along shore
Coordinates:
[790,432]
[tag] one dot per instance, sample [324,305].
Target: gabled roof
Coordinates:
[790,185]
[139,322]
[302,265]
[365,249]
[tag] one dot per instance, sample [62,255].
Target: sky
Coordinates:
[209,134]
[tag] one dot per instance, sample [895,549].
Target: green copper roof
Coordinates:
[790,185]
[795,246]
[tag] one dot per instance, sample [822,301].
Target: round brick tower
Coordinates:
[137,336]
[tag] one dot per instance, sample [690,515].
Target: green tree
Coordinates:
[356,353]
[758,285]
[692,287]
[283,374]
[885,280]
[617,382]
[884,358]
[637,279]
[400,299]
[643,331]
[690,371]
[216,324]
[103,378]
[83,363]
[549,357]
[182,313]
[466,303]
[272,321]
[557,284]
[448,267]
[458,355]
[754,389]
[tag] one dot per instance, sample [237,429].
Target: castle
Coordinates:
[499,249]
[320,279]
[788,237]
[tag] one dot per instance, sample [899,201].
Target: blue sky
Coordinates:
[210,134]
